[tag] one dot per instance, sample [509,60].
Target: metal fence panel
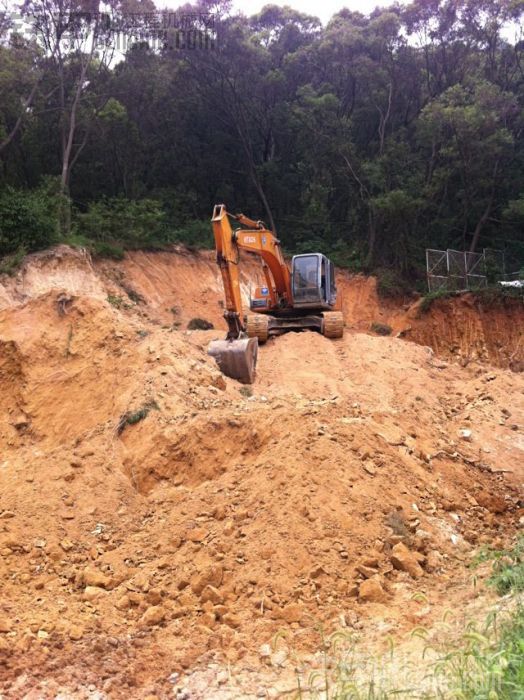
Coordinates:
[457,270]
[476,270]
[437,270]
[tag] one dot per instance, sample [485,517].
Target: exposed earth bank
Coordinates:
[157,518]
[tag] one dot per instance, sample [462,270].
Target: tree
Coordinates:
[471,132]
[74,37]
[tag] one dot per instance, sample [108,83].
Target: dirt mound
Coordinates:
[155,515]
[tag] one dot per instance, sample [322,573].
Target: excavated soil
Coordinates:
[157,518]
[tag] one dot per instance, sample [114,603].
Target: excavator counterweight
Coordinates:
[303,298]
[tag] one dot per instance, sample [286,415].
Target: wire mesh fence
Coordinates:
[437,269]
[457,270]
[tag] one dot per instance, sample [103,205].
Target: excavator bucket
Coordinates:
[236,358]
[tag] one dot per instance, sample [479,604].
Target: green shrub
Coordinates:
[194,234]
[346,256]
[508,567]
[9,264]
[427,300]
[134,417]
[488,296]
[131,223]
[497,294]
[489,662]
[104,249]
[28,219]
[75,240]
[390,283]
[115,300]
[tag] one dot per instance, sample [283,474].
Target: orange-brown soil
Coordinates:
[156,518]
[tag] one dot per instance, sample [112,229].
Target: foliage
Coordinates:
[390,283]
[137,224]
[427,300]
[508,567]
[194,234]
[473,660]
[490,296]
[115,300]
[134,417]
[369,139]
[105,249]
[488,662]
[28,219]
[9,264]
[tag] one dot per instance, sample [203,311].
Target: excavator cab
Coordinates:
[313,281]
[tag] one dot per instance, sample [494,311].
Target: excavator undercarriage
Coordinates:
[328,323]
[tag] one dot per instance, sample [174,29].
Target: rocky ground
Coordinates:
[166,532]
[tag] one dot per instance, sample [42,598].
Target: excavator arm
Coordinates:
[256,239]
[237,354]
[227,260]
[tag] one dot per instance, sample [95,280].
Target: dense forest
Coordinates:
[370,138]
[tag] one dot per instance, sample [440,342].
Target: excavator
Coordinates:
[304,297]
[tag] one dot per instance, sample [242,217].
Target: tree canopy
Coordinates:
[370,138]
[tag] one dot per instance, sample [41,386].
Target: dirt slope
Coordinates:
[171,288]
[155,519]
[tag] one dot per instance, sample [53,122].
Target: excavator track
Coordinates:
[257,326]
[333,324]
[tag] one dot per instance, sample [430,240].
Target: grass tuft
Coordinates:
[508,567]
[134,417]
[380,328]
[472,661]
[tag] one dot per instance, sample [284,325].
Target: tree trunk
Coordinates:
[480,224]
[485,215]
[372,236]
[242,130]
[384,118]
[27,103]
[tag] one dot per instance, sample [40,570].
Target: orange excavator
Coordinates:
[304,297]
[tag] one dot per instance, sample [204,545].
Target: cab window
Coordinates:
[306,273]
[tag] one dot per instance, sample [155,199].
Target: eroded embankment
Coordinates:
[174,287]
[471,328]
